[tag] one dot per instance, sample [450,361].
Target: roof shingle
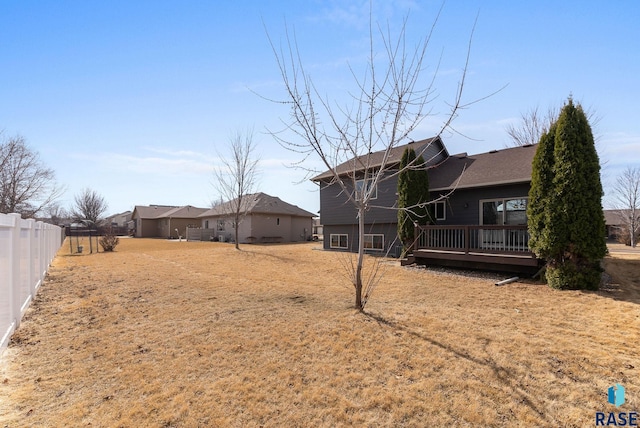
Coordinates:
[507,166]
[258,203]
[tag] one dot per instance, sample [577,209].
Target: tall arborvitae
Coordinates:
[539,194]
[574,231]
[413,196]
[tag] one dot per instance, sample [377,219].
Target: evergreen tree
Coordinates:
[572,223]
[539,194]
[413,196]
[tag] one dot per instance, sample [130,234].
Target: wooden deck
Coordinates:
[502,248]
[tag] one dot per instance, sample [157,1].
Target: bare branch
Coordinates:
[236,177]
[627,201]
[389,100]
[89,207]
[27,186]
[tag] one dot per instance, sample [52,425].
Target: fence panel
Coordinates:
[27,248]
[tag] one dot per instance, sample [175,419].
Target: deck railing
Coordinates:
[508,239]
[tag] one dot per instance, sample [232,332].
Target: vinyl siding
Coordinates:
[463,206]
[389,231]
[259,226]
[335,208]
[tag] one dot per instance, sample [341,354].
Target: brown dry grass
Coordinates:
[197,334]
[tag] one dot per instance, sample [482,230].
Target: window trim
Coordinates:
[444,210]
[372,236]
[503,201]
[374,194]
[346,246]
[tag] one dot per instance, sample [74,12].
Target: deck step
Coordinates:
[409,260]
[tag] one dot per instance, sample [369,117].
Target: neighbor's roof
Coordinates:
[507,166]
[184,212]
[259,203]
[615,217]
[375,159]
[166,211]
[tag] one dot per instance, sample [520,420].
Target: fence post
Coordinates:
[43,253]
[32,246]
[14,270]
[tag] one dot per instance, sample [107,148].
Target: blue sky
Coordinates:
[134,99]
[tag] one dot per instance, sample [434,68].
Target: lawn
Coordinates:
[191,334]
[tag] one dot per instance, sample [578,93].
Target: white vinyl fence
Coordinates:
[27,247]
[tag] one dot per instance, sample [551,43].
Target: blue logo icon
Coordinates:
[616,395]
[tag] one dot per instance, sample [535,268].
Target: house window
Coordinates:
[278,221]
[503,211]
[441,210]
[363,187]
[206,224]
[220,225]
[339,241]
[374,242]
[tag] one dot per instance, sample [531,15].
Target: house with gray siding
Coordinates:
[339,216]
[484,189]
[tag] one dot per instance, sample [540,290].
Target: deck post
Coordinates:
[466,239]
[416,236]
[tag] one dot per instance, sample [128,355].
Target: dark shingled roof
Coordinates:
[507,166]
[259,203]
[374,160]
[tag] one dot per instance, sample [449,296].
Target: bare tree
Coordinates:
[89,207]
[56,213]
[531,126]
[27,186]
[627,200]
[236,178]
[389,101]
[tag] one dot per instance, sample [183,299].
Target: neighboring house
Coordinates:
[615,224]
[119,220]
[267,219]
[488,189]
[318,234]
[119,224]
[162,221]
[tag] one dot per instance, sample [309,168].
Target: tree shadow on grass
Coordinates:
[504,375]
[266,254]
[621,280]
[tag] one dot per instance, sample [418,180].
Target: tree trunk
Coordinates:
[358,273]
[235,229]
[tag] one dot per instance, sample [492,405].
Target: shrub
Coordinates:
[413,194]
[582,275]
[109,241]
